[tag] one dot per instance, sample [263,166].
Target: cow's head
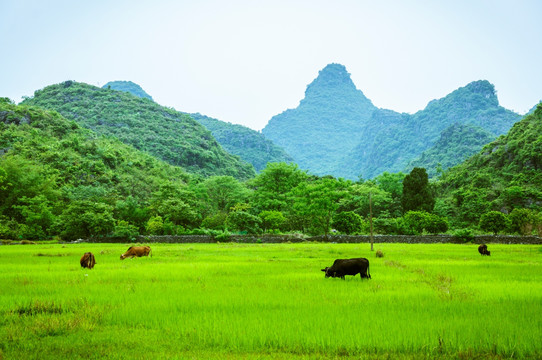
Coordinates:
[122,256]
[488,252]
[328,272]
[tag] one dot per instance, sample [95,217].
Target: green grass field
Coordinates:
[234,301]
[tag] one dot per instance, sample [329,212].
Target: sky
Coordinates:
[245,61]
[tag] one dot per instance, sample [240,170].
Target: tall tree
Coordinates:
[417,194]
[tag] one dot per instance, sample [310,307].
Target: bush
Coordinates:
[493,221]
[464,235]
[347,222]
[243,221]
[379,253]
[522,221]
[215,222]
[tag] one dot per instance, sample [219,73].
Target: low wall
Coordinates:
[342,239]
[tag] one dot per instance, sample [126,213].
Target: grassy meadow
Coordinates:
[270,301]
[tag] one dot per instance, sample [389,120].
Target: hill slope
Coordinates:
[505,174]
[326,124]
[248,144]
[165,133]
[389,140]
[456,144]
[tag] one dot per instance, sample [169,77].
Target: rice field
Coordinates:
[270,301]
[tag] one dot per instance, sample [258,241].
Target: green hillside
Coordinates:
[59,178]
[389,141]
[127,86]
[162,132]
[506,174]
[248,144]
[456,144]
[326,124]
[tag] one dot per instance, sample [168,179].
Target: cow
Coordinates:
[342,267]
[88,260]
[482,249]
[138,251]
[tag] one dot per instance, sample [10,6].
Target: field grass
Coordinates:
[270,301]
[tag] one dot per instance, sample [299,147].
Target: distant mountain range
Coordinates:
[336,130]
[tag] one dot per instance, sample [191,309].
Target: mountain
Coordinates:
[248,144]
[162,132]
[456,144]
[336,130]
[505,174]
[129,87]
[327,123]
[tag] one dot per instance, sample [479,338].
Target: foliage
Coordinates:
[493,221]
[127,86]
[417,194]
[464,235]
[250,145]
[347,222]
[272,220]
[162,132]
[521,221]
[244,222]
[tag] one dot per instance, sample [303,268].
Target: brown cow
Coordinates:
[482,249]
[88,260]
[138,251]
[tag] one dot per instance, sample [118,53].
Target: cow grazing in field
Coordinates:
[138,251]
[88,260]
[342,267]
[482,249]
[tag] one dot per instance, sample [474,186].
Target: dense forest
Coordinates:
[58,179]
[162,132]
[336,130]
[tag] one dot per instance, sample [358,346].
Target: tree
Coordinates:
[222,192]
[272,220]
[493,221]
[273,185]
[347,222]
[521,221]
[316,202]
[417,194]
[244,221]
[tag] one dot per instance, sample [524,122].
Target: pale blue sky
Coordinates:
[244,61]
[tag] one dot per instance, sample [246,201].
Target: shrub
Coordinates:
[379,253]
[521,221]
[464,235]
[493,221]
[347,222]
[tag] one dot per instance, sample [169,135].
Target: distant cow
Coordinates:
[482,249]
[138,251]
[88,260]
[342,267]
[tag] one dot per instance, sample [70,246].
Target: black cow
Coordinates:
[342,267]
[482,249]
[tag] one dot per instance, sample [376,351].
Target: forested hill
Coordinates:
[326,124]
[248,144]
[336,130]
[127,86]
[57,178]
[456,144]
[165,133]
[390,141]
[506,174]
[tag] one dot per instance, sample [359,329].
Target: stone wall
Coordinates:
[272,238]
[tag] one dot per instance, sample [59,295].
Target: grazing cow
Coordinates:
[138,251]
[342,267]
[88,260]
[482,249]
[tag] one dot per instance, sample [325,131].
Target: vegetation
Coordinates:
[127,86]
[505,175]
[326,124]
[162,132]
[231,301]
[337,131]
[248,144]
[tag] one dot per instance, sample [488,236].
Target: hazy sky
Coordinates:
[246,61]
